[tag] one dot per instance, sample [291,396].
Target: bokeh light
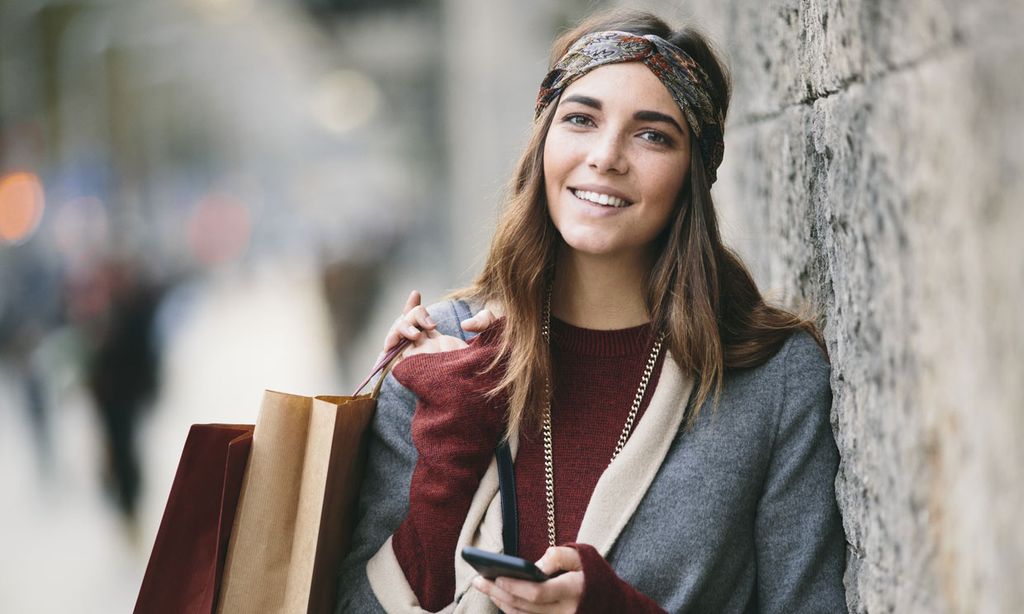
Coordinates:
[21,206]
[219,229]
[344,100]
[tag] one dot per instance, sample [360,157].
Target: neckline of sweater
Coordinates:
[635,340]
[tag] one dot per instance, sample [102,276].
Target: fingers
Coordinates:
[560,558]
[411,302]
[561,594]
[409,325]
[479,322]
[506,601]
[432,341]
[393,337]
[420,318]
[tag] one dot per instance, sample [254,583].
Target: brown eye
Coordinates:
[653,136]
[578,120]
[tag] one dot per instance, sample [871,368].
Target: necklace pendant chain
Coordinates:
[549,465]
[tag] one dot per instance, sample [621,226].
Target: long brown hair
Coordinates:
[698,291]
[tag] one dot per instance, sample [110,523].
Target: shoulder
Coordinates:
[450,312]
[804,380]
[794,381]
[396,398]
[801,354]
[798,359]
[804,364]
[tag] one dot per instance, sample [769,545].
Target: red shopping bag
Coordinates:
[184,571]
[267,535]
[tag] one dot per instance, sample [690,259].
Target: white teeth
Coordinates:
[601,199]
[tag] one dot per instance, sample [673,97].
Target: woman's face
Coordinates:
[616,155]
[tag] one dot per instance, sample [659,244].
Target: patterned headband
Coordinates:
[685,80]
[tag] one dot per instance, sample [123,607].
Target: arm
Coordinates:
[455,430]
[605,591]
[384,494]
[799,538]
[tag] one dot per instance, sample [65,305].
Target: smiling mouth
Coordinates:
[597,198]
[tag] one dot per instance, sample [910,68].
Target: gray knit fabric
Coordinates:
[741,517]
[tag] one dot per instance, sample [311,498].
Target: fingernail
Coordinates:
[430,321]
[412,330]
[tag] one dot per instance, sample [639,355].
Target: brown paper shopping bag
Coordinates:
[295,511]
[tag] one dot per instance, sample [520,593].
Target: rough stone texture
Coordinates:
[874,170]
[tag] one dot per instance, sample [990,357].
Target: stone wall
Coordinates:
[874,164]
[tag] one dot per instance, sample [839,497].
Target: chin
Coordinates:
[591,245]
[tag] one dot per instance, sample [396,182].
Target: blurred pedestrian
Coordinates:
[122,371]
[29,310]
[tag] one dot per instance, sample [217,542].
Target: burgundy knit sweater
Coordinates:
[456,428]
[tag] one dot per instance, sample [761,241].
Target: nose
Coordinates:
[606,154]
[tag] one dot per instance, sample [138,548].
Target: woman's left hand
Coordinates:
[561,594]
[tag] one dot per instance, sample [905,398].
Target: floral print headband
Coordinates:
[685,80]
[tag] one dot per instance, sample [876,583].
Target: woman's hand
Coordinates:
[561,594]
[416,325]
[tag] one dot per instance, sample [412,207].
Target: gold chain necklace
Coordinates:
[549,465]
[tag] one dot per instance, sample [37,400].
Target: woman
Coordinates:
[671,429]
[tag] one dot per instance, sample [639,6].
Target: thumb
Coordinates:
[479,322]
[560,558]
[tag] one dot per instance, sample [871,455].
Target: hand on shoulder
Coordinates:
[483,319]
[417,327]
[460,373]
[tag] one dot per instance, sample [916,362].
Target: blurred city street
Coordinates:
[237,336]
[203,199]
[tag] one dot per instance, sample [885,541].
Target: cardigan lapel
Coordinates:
[615,499]
[482,528]
[624,483]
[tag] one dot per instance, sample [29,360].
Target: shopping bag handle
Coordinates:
[382,367]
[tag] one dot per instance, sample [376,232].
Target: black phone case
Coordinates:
[492,565]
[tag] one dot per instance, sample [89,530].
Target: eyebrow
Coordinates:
[647,116]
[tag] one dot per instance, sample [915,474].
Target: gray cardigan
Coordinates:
[740,516]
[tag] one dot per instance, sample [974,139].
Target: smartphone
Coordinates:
[492,565]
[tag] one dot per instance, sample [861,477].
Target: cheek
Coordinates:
[556,162]
[668,178]
[663,187]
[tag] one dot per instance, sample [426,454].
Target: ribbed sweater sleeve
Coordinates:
[455,429]
[605,591]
